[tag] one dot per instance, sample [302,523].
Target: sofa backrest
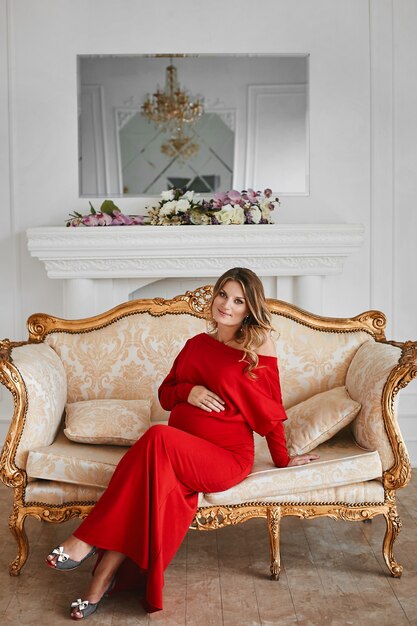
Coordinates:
[125,360]
[126,353]
[312,360]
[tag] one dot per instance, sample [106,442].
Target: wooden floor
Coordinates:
[333,574]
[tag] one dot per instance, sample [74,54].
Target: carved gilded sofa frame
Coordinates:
[215,517]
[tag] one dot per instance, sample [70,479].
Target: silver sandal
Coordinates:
[87,608]
[64,562]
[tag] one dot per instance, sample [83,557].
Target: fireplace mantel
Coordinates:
[101,266]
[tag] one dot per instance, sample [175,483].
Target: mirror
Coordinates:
[251,130]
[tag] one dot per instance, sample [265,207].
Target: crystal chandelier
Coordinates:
[171,109]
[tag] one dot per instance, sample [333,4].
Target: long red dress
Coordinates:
[152,497]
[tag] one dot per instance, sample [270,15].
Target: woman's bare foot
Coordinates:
[76,549]
[102,580]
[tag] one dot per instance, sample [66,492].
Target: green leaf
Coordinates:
[93,211]
[108,207]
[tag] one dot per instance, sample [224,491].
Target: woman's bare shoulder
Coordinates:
[267,348]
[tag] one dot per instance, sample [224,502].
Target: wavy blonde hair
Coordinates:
[256,327]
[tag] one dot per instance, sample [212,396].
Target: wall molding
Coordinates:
[282,94]
[382,159]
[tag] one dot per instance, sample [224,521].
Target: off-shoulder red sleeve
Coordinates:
[277,446]
[264,411]
[170,391]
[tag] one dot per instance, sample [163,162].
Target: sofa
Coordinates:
[340,380]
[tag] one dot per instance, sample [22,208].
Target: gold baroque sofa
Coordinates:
[124,354]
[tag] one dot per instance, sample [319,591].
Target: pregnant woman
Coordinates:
[223,386]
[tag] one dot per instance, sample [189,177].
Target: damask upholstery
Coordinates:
[111,422]
[312,361]
[317,419]
[75,463]
[126,360]
[365,380]
[341,462]
[46,386]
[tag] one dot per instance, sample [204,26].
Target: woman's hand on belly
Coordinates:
[205,399]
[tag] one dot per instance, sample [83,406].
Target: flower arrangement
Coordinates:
[178,206]
[108,215]
[233,207]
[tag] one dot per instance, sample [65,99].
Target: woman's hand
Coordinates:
[302,459]
[205,399]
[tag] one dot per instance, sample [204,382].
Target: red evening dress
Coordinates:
[152,497]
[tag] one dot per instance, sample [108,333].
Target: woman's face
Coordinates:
[229,307]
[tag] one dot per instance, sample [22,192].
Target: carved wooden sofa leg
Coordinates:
[274,520]
[16,525]
[394,525]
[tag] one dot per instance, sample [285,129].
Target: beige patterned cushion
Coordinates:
[353,493]
[111,422]
[52,492]
[341,462]
[46,388]
[319,418]
[367,375]
[75,463]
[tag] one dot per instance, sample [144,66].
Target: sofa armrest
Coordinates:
[35,375]
[376,374]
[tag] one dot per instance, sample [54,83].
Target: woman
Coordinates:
[223,385]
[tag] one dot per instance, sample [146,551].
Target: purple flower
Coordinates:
[268,193]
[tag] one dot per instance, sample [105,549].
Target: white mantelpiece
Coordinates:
[101,266]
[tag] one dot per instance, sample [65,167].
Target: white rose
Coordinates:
[227,207]
[169,208]
[237,215]
[189,195]
[223,217]
[255,214]
[199,218]
[264,204]
[168,195]
[266,214]
[182,206]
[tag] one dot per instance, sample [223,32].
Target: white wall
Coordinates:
[363,131]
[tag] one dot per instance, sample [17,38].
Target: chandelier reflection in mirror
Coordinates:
[172,109]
